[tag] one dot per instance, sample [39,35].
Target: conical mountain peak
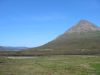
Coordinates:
[84,26]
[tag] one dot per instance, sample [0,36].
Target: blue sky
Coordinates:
[35,22]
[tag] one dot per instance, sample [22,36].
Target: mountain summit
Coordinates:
[84,26]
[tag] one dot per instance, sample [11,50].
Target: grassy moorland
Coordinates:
[51,65]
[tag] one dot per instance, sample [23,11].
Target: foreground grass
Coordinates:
[51,65]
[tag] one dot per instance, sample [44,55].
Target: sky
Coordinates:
[32,23]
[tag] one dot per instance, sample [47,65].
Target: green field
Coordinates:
[51,65]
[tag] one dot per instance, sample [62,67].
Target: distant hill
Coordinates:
[11,51]
[82,38]
[4,48]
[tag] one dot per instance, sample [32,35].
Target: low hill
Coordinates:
[4,48]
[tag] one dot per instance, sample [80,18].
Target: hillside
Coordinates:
[82,38]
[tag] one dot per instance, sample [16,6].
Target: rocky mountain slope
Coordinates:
[84,26]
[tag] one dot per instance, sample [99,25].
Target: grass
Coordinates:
[96,67]
[51,65]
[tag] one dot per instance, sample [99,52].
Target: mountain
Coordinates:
[82,38]
[4,48]
[84,26]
